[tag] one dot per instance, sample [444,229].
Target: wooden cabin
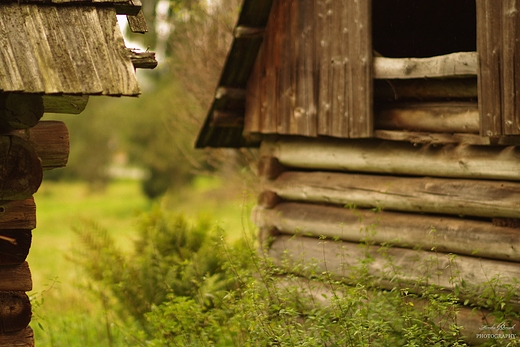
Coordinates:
[406,107]
[53,56]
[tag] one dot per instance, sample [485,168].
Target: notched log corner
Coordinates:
[142,59]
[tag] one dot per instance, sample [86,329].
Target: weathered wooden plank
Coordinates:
[480,198]
[510,65]
[51,142]
[462,64]
[142,59]
[284,78]
[137,23]
[15,311]
[323,55]
[20,169]
[387,265]
[417,231]
[122,66]
[437,138]
[18,214]
[462,161]
[489,48]
[359,90]
[255,95]
[10,78]
[448,117]
[14,246]
[273,39]
[15,278]
[24,338]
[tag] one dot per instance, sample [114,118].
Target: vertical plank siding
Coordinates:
[511,65]
[313,51]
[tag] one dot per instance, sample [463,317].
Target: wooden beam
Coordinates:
[15,311]
[142,60]
[434,138]
[14,246]
[419,231]
[73,104]
[227,119]
[426,89]
[51,142]
[480,198]
[411,268]
[461,64]
[389,157]
[15,278]
[18,214]
[20,169]
[23,338]
[447,117]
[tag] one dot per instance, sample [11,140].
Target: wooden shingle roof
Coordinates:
[55,49]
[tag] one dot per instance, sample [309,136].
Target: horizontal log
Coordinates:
[444,234]
[480,198]
[460,64]
[269,167]
[73,104]
[389,157]
[15,278]
[142,59]
[15,311]
[454,117]
[434,138]
[51,142]
[426,89]
[19,111]
[410,268]
[23,338]
[224,119]
[20,169]
[18,214]
[14,245]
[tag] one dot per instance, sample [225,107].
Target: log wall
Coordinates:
[27,147]
[449,212]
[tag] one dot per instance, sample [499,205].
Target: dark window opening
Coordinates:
[423,28]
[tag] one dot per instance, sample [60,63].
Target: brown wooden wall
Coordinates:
[302,81]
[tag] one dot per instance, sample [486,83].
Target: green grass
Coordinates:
[63,305]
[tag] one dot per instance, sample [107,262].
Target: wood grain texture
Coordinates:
[15,278]
[15,311]
[63,49]
[510,65]
[389,157]
[419,231]
[23,338]
[51,141]
[20,169]
[18,214]
[412,268]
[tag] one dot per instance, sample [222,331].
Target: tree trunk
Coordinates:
[15,278]
[20,169]
[444,234]
[18,214]
[478,198]
[461,161]
[15,311]
[14,246]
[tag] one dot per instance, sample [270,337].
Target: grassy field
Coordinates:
[66,313]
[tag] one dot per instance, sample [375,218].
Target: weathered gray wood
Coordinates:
[387,265]
[50,139]
[142,59]
[480,198]
[18,214]
[73,104]
[436,138]
[489,48]
[137,23]
[15,311]
[24,338]
[15,278]
[14,245]
[426,89]
[448,117]
[462,161]
[510,65]
[449,65]
[418,231]
[20,169]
